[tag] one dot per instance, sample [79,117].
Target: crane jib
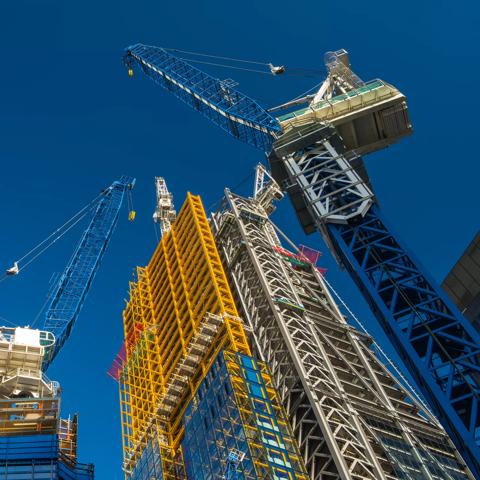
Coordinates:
[242,117]
[76,280]
[234,118]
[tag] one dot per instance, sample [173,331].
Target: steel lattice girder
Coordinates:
[440,347]
[75,282]
[327,377]
[170,307]
[231,110]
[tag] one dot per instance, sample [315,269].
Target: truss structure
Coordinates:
[74,283]
[438,345]
[180,314]
[234,112]
[352,419]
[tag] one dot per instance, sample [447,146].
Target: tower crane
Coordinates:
[74,284]
[314,153]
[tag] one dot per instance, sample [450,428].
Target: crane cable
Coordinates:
[308,72]
[42,308]
[8,321]
[227,66]
[131,211]
[215,56]
[45,244]
[54,240]
[380,351]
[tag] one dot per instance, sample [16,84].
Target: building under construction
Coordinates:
[238,363]
[194,402]
[35,442]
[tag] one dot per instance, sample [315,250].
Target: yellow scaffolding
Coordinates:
[180,314]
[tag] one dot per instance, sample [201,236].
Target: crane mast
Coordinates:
[165,212]
[315,158]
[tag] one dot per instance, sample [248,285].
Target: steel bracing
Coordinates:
[438,345]
[190,391]
[180,314]
[236,411]
[73,285]
[351,417]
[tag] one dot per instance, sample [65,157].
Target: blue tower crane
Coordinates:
[74,284]
[232,111]
[314,155]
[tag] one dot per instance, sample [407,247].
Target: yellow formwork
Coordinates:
[183,286]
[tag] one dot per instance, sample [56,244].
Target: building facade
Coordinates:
[194,402]
[238,363]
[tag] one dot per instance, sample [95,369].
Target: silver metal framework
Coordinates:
[340,77]
[165,212]
[327,178]
[351,417]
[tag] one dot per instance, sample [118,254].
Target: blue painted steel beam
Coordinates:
[75,282]
[231,110]
[438,345]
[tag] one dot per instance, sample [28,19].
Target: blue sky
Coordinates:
[71,121]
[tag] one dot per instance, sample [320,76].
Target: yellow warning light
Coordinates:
[130,72]
[131,215]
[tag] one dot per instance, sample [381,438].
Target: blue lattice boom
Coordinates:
[231,110]
[438,345]
[74,283]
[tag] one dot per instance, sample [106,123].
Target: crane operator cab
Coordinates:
[368,116]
